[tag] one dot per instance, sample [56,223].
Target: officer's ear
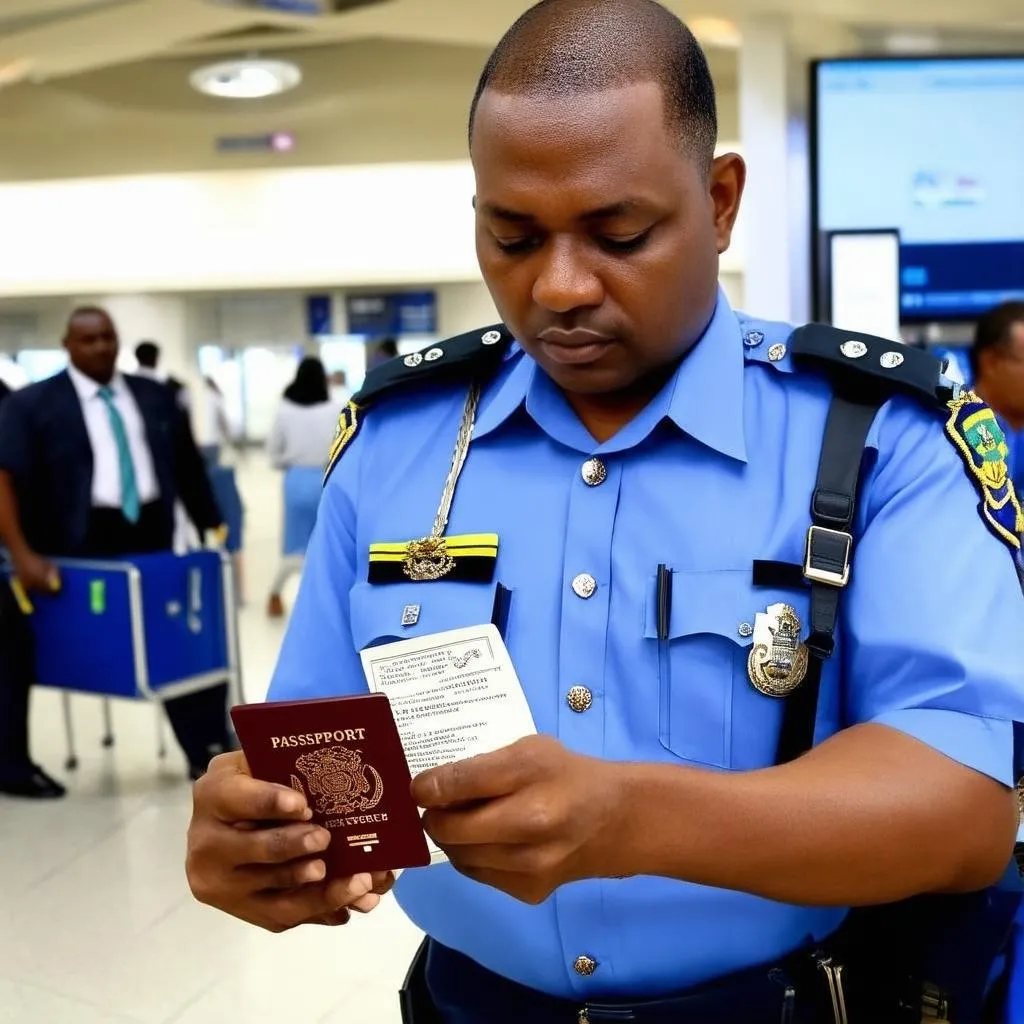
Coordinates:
[727,178]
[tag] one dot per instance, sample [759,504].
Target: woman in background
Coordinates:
[299,443]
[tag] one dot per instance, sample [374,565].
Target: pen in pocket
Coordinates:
[664,598]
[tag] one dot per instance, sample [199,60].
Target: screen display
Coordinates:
[933,148]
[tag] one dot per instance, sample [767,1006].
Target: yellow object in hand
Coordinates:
[21,596]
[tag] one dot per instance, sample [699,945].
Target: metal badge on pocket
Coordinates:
[778,660]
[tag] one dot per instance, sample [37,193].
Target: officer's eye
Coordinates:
[633,243]
[517,246]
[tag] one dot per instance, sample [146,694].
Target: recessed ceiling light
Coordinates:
[250,79]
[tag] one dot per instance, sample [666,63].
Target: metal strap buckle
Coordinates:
[815,573]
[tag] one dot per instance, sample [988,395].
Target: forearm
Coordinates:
[862,819]
[11,534]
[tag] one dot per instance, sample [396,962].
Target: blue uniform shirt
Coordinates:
[716,472]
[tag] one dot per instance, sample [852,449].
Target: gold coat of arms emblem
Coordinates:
[778,660]
[337,781]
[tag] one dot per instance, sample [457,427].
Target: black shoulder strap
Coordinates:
[828,559]
[864,372]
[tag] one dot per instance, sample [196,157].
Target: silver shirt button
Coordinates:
[491,338]
[413,361]
[433,355]
[594,472]
[584,585]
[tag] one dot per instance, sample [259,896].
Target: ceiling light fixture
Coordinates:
[250,79]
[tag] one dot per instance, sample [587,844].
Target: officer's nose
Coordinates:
[565,281]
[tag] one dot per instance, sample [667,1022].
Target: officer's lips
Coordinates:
[575,347]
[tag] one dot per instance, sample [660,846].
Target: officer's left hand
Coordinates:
[528,818]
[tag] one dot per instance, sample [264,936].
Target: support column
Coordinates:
[764,133]
[162,319]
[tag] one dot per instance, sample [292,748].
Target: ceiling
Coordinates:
[93,87]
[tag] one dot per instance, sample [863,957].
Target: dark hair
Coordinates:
[310,384]
[568,47]
[80,311]
[388,347]
[993,331]
[147,354]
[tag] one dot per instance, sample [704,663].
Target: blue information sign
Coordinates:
[386,314]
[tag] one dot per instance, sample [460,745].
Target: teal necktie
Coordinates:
[131,505]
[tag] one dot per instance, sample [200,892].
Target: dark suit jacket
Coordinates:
[45,447]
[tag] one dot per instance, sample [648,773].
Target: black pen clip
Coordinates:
[664,601]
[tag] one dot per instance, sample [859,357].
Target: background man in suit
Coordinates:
[91,464]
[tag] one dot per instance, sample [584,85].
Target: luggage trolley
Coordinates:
[153,627]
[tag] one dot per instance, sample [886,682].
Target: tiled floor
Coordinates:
[96,923]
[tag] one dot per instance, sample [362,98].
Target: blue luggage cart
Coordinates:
[149,628]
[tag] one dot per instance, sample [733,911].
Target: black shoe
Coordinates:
[37,785]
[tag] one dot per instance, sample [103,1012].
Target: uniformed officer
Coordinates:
[646,458]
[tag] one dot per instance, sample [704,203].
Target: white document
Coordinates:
[454,695]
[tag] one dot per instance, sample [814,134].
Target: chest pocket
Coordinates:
[710,712]
[377,613]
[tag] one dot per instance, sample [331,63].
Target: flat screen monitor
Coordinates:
[933,148]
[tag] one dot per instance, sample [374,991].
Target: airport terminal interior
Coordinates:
[249,183]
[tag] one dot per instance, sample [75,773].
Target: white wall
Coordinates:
[389,224]
[395,224]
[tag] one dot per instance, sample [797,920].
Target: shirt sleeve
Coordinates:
[15,436]
[934,620]
[318,657]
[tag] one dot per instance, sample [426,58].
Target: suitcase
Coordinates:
[149,628]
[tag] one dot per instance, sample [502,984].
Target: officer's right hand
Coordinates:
[253,854]
[35,573]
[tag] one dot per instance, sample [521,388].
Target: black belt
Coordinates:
[446,987]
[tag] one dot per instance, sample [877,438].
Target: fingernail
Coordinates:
[289,803]
[317,840]
[315,872]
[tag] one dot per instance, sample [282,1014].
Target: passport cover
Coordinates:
[344,755]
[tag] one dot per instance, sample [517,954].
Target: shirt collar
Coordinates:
[704,397]
[87,388]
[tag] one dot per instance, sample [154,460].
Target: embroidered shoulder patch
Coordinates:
[974,430]
[348,426]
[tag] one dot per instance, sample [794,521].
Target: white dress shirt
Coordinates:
[106,475]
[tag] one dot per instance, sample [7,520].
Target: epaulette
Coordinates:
[475,355]
[870,370]
[863,366]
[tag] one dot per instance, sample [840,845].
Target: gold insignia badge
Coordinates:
[427,559]
[778,660]
[338,782]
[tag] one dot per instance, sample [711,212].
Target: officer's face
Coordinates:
[92,346]
[597,233]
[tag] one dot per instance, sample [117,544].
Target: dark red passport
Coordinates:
[344,755]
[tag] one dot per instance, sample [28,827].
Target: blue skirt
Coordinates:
[302,489]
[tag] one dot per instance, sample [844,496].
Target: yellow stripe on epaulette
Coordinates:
[348,427]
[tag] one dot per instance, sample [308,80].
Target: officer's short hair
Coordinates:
[568,47]
[993,331]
